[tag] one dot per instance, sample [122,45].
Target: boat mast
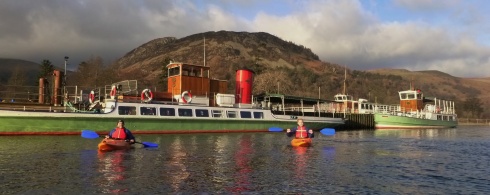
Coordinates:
[345,92]
[204,51]
[345,79]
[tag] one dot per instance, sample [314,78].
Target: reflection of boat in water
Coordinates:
[193,103]
[112,144]
[415,133]
[416,111]
[301,142]
[113,171]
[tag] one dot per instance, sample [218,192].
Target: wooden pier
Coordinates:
[356,121]
[353,120]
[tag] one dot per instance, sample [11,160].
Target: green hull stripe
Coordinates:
[71,125]
[408,121]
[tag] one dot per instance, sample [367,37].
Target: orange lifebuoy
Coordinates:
[146,95]
[189,100]
[113,92]
[91,97]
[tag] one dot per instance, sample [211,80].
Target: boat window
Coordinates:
[167,112]
[403,96]
[173,71]
[187,71]
[148,111]
[205,74]
[185,112]
[231,114]
[258,115]
[245,114]
[216,113]
[411,96]
[126,110]
[202,113]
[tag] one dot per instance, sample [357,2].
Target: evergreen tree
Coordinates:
[47,69]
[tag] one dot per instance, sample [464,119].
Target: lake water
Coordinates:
[443,161]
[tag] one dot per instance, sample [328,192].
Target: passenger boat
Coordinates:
[415,112]
[301,142]
[113,144]
[193,103]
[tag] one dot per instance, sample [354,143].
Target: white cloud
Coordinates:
[427,5]
[339,31]
[342,32]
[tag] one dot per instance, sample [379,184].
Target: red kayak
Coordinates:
[301,142]
[112,144]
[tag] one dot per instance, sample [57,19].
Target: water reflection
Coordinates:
[242,163]
[178,157]
[328,152]
[113,171]
[300,162]
[416,133]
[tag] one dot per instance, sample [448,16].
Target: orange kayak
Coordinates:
[112,144]
[301,142]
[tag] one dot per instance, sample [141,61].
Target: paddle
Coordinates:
[328,131]
[325,131]
[92,135]
[275,129]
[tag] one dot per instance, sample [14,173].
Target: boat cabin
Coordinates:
[345,103]
[343,98]
[411,100]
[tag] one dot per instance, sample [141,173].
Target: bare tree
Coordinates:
[16,84]
[273,81]
[90,73]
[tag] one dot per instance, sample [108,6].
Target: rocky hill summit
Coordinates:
[223,50]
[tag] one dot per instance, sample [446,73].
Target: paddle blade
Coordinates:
[328,131]
[275,129]
[89,134]
[149,145]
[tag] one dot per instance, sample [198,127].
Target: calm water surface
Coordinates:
[444,161]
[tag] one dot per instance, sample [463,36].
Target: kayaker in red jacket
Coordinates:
[300,131]
[120,132]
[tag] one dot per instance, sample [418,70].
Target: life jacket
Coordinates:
[301,132]
[119,133]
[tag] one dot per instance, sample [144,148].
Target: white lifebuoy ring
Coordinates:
[186,100]
[146,95]
[113,92]
[91,97]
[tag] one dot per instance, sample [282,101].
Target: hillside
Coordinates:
[225,52]
[27,68]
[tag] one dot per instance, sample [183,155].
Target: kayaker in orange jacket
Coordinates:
[120,132]
[300,131]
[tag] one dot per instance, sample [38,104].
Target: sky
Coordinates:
[452,36]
